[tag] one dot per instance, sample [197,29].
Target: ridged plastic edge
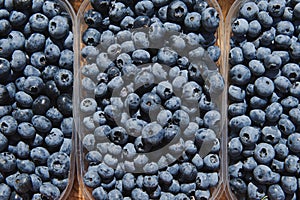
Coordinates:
[79,149]
[231,16]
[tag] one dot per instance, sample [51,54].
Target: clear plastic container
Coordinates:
[81,94]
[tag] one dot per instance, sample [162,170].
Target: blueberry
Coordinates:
[235,147]
[8,125]
[291,71]
[128,182]
[211,119]
[92,179]
[58,27]
[37,141]
[176,11]
[54,115]
[105,172]
[265,19]
[41,123]
[264,86]
[5,191]
[59,164]
[254,29]
[26,130]
[64,103]
[239,122]
[273,62]
[9,162]
[18,61]
[39,155]
[66,146]
[37,196]
[127,23]
[292,142]
[29,70]
[160,3]
[249,11]
[33,85]
[117,12]
[63,79]
[23,150]
[289,102]
[286,126]
[17,18]
[276,192]
[4,68]
[99,193]
[4,142]
[37,5]
[61,184]
[258,103]
[138,194]
[54,139]
[238,186]
[273,112]
[293,113]
[210,19]
[23,99]
[144,8]
[271,134]
[281,151]
[264,153]
[291,164]
[93,18]
[38,22]
[240,27]
[5,27]
[101,6]
[11,178]
[22,183]
[192,21]
[214,53]
[6,49]
[240,74]
[264,175]
[4,95]
[50,191]
[38,60]
[249,135]
[276,8]
[4,13]
[236,56]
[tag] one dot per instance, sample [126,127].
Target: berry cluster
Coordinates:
[148,99]
[36,81]
[264,94]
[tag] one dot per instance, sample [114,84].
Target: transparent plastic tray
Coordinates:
[80,95]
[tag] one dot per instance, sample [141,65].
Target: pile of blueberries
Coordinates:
[150,94]
[264,92]
[36,81]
